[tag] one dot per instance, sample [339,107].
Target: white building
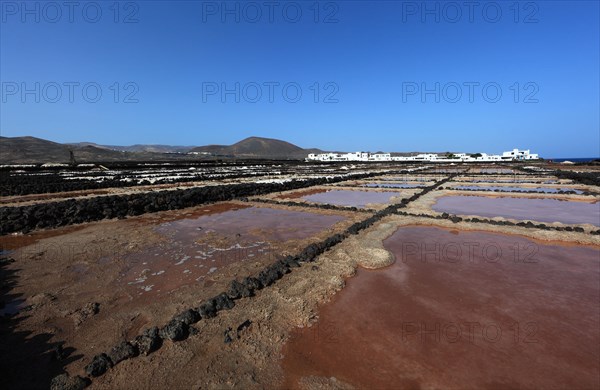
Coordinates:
[517,154]
[514,155]
[356,156]
[379,157]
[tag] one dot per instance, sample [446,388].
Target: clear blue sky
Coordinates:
[376,56]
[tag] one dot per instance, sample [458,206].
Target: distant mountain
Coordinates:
[256,147]
[139,148]
[210,149]
[31,150]
[152,148]
[251,147]
[84,144]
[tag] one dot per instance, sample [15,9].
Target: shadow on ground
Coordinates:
[27,360]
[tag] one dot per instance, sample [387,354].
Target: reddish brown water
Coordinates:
[278,224]
[351,198]
[543,210]
[14,242]
[446,316]
[199,247]
[300,194]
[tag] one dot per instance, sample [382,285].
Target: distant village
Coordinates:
[513,155]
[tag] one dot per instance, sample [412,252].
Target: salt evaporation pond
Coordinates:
[492,170]
[459,310]
[542,210]
[518,189]
[352,198]
[198,247]
[509,181]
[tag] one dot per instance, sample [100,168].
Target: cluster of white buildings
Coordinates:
[513,155]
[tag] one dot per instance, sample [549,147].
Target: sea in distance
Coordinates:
[575,160]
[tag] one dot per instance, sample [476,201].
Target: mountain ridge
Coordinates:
[253,147]
[33,150]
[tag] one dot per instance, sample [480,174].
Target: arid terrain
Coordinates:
[301,276]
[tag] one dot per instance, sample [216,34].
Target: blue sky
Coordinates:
[500,74]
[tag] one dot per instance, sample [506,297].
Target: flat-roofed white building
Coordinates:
[517,154]
[425,157]
[513,155]
[380,157]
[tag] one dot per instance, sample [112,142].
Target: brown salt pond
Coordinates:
[300,194]
[461,310]
[198,247]
[352,198]
[535,209]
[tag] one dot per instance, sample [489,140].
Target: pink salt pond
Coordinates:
[352,198]
[547,190]
[198,247]
[542,210]
[459,310]
[278,224]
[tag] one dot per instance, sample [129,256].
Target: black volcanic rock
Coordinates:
[122,351]
[175,330]
[148,342]
[99,365]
